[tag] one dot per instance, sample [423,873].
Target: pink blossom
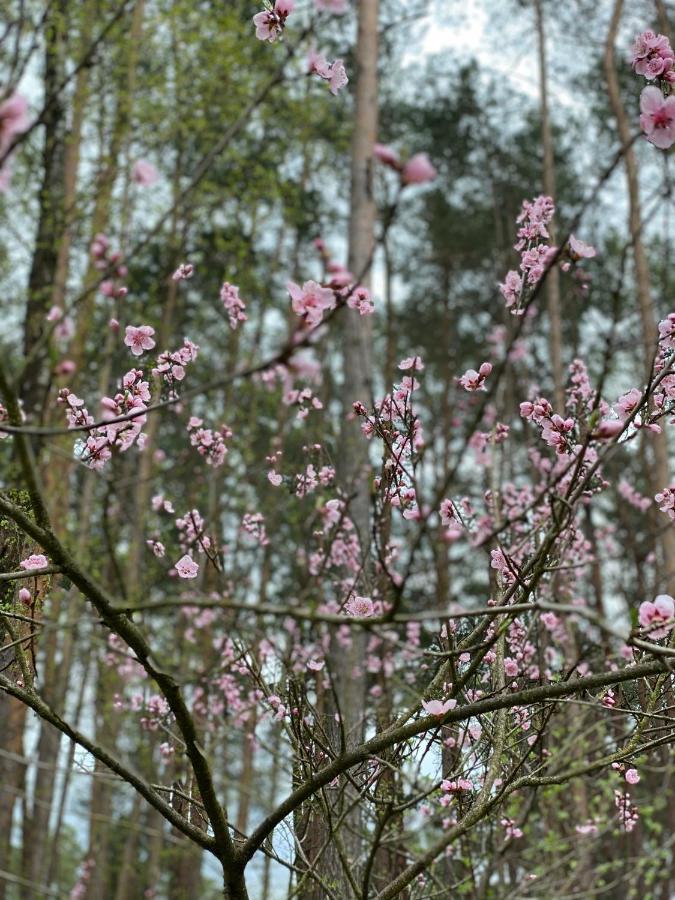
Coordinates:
[184,270]
[25,596]
[628,402]
[437,707]
[511,288]
[34,561]
[418,170]
[652,55]
[666,501]
[474,381]
[361,607]
[661,611]
[187,567]
[139,338]
[360,299]
[144,173]
[580,250]
[334,73]
[13,119]
[387,155]
[632,776]
[234,305]
[657,118]
[411,362]
[310,301]
[608,429]
[270,24]
[274,478]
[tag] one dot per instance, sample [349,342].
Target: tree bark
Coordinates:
[548,173]
[658,474]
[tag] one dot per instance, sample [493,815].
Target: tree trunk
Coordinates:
[658,474]
[548,173]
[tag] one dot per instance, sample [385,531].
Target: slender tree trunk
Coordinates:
[553,279]
[353,473]
[658,474]
[51,211]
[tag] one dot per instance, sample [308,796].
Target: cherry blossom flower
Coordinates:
[270,23]
[588,828]
[580,250]
[666,501]
[418,170]
[359,298]
[360,607]
[657,118]
[34,561]
[334,73]
[438,707]
[474,381]
[661,611]
[144,173]
[628,402]
[25,596]
[632,776]
[310,301]
[512,830]
[499,562]
[184,270]
[13,119]
[411,362]
[187,567]
[234,305]
[511,288]
[608,429]
[387,155]
[652,55]
[138,338]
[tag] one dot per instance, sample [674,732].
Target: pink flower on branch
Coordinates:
[234,305]
[34,561]
[657,118]
[144,173]
[475,381]
[334,73]
[138,338]
[187,567]
[418,170]
[438,708]
[270,23]
[311,301]
[657,618]
[652,55]
[360,607]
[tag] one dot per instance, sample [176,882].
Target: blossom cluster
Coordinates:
[234,305]
[105,259]
[210,444]
[170,365]
[653,58]
[131,400]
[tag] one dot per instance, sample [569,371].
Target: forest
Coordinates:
[337,394]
